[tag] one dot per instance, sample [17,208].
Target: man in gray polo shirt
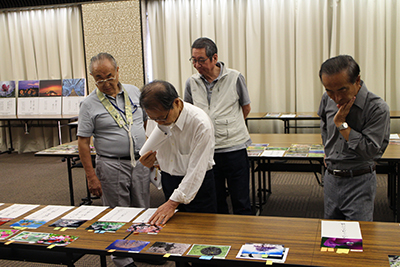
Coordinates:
[112,115]
[355,132]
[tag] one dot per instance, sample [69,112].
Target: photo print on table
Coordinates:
[128,245]
[170,248]
[209,250]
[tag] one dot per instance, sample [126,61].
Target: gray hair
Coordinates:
[100,57]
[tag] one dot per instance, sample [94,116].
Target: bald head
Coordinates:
[158,95]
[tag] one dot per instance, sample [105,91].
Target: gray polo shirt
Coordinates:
[369,120]
[108,138]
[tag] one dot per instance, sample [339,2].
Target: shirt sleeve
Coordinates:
[85,123]
[202,147]
[374,137]
[323,125]
[241,87]
[188,92]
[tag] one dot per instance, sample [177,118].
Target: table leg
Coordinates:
[397,202]
[71,185]
[59,132]
[253,186]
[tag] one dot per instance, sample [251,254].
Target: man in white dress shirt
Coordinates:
[185,157]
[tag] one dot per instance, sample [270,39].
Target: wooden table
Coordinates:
[390,166]
[72,159]
[299,116]
[307,116]
[301,235]
[25,119]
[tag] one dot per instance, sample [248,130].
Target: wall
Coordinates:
[115,28]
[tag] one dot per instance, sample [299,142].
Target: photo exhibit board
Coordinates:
[73,92]
[7,98]
[28,97]
[50,93]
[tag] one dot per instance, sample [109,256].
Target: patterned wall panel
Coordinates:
[114,27]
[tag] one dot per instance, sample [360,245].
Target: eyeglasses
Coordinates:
[165,119]
[201,61]
[102,82]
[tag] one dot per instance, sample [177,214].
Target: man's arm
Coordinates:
[246,110]
[188,92]
[374,137]
[203,147]
[86,159]
[244,98]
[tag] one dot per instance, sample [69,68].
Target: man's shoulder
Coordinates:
[90,98]
[196,113]
[130,87]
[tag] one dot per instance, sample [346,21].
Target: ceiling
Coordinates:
[5,4]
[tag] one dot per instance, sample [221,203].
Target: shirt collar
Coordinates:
[222,72]
[361,96]
[180,122]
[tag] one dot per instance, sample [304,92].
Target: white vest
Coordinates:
[224,108]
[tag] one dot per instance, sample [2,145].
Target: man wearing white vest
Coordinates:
[222,93]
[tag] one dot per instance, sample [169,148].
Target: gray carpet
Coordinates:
[29,179]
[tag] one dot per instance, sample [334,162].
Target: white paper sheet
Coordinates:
[48,213]
[121,214]
[145,216]
[340,229]
[155,140]
[288,116]
[84,213]
[394,136]
[16,210]
[70,105]
[28,106]
[8,106]
[273,153]
[50,105]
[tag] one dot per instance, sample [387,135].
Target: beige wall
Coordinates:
[114,27]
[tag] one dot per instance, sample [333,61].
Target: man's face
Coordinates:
[203,64]
[339,88]
[106,77]
[162,116]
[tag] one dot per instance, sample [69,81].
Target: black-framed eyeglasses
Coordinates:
[201,61]
[165,118]
[102,82]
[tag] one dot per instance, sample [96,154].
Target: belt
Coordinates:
[120,158]
[351,173]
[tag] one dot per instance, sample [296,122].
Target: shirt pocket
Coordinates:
[225,128]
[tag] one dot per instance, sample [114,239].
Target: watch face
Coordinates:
[343,126]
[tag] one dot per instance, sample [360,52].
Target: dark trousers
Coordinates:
[233,169]
[205,200]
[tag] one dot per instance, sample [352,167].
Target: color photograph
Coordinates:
[6,233]
[58,240]
[128,245]
[30,237]
[209,250]
[7,88]
[73,87]
[144,228]
[105,226]
[68,223]
[171,248]
[28,88]
[33,224]
[50,88]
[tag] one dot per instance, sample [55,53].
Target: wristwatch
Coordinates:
[344,126]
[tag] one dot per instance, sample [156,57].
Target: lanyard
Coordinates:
[112,109]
